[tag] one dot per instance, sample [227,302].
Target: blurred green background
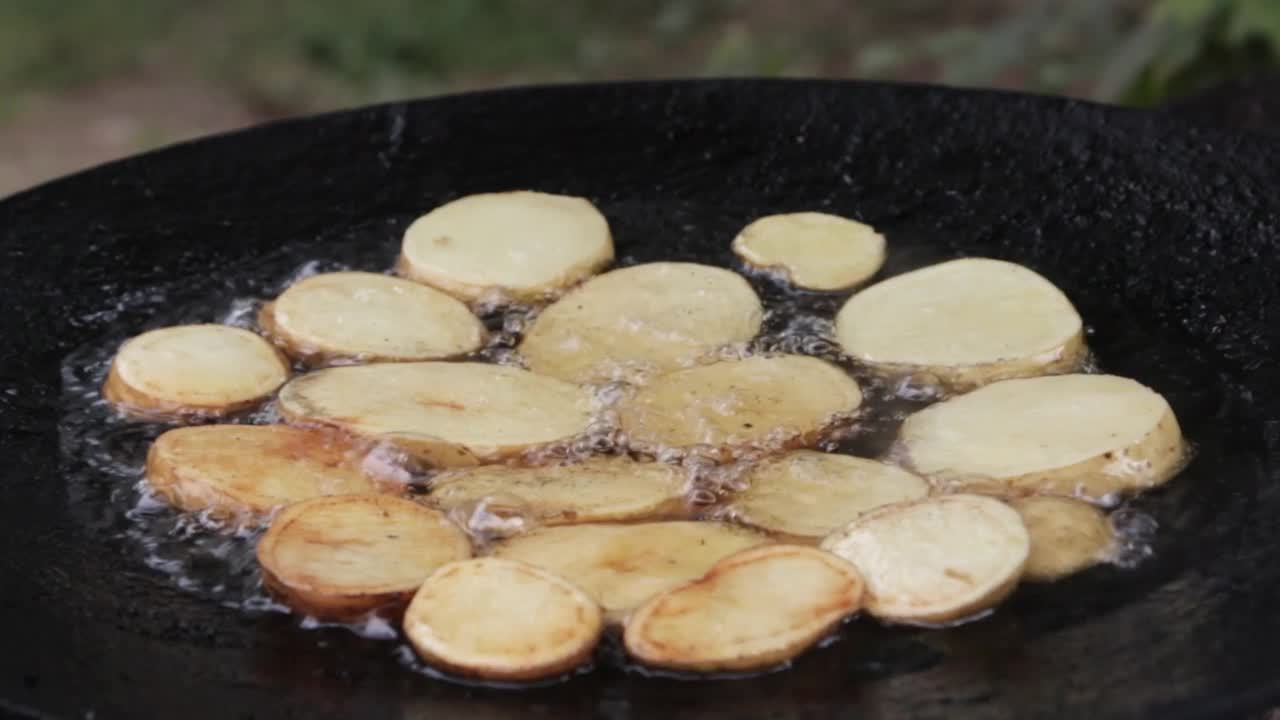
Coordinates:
[83,81]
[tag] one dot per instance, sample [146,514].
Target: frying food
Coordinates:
[964,323]
[1067,536]
[200,370]
[814,250]
[522,244]
[367,317]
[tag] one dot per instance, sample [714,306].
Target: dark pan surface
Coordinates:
[1165,235]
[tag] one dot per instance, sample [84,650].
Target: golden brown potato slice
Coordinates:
[935,560]
[367,317]
[502,620]
[816,250]
[752,610]
[346,556]
[966,322]
[805,495]
[448,414]
[621,566]
[1085,435]
[633,323]
[243,472]
[760,402]
[1067,536]
[202,370]
[595,490]
[524,244]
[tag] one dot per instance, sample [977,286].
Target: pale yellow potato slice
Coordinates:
[1067,536]
[966,322]
[816,250]
[345,556]
[202,370]
[636,322]
[502,620]
[367,317]
[598,489]
[448,414]
[805,495]
[243,472]
[522,244]
[935,560]
[752,610]
[760,402]
[621,566]
[1083,435]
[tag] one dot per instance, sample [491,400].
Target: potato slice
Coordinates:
[621,566]
[935,560]
[816,250]
[752,610]
[805,495]
[243,472]
[1084,435]
[632,323]
[1067,536]
[595,490]
[770,402]
[345,556]
[203,370]
[502,620]
[359,316]
[449,414]
[966,322]
[525,244]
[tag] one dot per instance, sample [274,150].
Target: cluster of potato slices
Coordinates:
[514,564]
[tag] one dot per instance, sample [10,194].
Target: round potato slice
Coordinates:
[594,490]
[805,495]
[966,322]
[621,566]
[203,370]
[365,317]
[935,560]
[346,556]
[752,610]
[1083,435]
[636,322]
[502,620]
[760,402]
[524,244]
[1067,536]
[448,414]
[816,250]
[243,472]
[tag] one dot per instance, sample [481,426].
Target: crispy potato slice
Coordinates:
[752,610]
[595,490]
[966,322]
[366,317]
[935,560]
[805,495]
[525,244]
[243,472]
[632,323]
[502,620]
[1084,435]
[345,556]
[202,370]
[773,402]
[621,566]
[816,250]
[1067,536]
[449,414]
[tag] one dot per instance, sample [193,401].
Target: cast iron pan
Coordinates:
[1165,235]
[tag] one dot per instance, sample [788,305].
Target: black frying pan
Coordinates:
[1164,235]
